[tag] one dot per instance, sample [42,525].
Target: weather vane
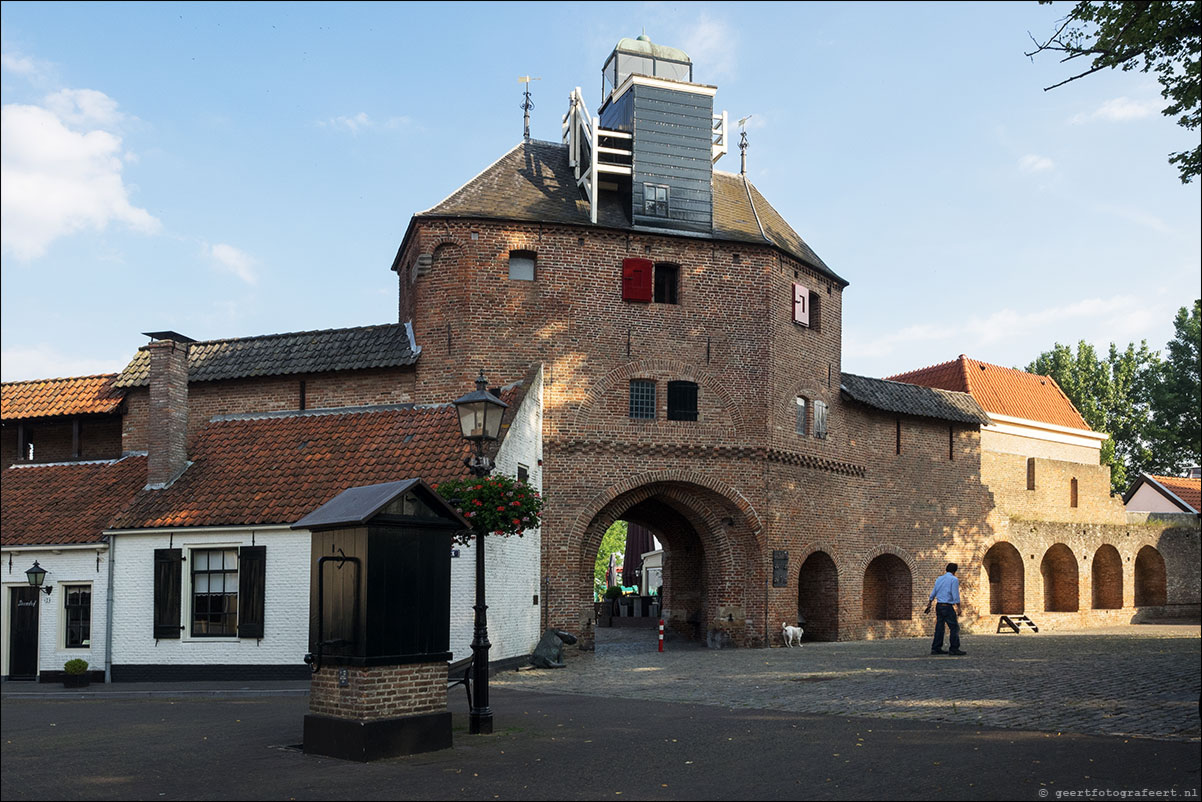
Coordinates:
[527,104]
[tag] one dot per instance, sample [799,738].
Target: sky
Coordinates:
[226,170]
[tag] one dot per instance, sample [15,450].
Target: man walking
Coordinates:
[946,595]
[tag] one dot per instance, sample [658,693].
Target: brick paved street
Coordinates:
[1141,681]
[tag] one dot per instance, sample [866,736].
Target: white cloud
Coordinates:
[21,65]
[1035,164]
[232,260]
[25,362]
[1119,109]
[713,45]
[363,122]
[1138,216]
[60,175]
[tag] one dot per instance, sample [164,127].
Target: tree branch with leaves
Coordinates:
[1164,38]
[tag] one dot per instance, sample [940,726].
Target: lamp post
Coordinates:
[480,414]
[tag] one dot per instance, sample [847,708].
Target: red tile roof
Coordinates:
[45,398]
[275,469]
[1001,391]
[66,503]
[1188,490]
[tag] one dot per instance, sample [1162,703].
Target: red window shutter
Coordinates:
[637,280]
[801,305]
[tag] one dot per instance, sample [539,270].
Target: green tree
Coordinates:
[1160,37]
[613,541]
[1113,395]
[1175,399]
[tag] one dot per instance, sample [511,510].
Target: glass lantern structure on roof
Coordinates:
[641,57]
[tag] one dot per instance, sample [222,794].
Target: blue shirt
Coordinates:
[947,589]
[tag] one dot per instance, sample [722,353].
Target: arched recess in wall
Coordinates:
[888,589]
[1151,581]
[818,597]
[1107,578]
[1059,572]
[1007,581]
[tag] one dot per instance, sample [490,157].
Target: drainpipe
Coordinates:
[108,626]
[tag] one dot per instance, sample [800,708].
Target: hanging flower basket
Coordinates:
[495,505]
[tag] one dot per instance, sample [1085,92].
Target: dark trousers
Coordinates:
[946,614]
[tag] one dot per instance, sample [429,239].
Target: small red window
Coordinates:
[637,280]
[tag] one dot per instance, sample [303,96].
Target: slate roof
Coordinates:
[381,346]
[275,468]
[534,183]
[1001,391]
[46,398]
[913,399]
[1187,491]
[66,502]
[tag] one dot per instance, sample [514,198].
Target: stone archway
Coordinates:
[818,597]
[1151,581]
[1107,578]
[1059,571]
[888,589]
[1007,584]
[712,558]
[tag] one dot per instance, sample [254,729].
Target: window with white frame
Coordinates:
[215,593]
[77,616]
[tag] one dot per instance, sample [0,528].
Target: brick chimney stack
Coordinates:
[168,430]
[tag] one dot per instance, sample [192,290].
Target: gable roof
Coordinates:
[66,502]
[912,399]
[380,346]
[47,398]
[275,468]
[1001,391]
[535,183]
[1182,491]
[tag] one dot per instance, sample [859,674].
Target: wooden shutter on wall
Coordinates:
[637,280]
[168,570]
[801,305]
[252,580]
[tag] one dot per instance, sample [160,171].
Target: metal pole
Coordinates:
[480,717]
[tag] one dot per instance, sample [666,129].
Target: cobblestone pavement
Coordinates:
[1136,681]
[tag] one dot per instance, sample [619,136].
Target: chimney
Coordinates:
[168,429]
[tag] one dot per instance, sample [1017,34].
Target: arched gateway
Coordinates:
[712,558]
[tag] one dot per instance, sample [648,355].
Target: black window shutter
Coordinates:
[168,568]
[252,577]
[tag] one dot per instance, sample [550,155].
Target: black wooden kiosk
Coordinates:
[379,621]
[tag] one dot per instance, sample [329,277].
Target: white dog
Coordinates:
[790,634]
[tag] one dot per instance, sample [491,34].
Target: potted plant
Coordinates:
[75,673]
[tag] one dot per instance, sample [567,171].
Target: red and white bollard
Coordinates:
[661,634]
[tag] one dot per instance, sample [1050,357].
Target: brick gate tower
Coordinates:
[690,345]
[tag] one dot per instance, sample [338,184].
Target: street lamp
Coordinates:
[480,414]
[36,576]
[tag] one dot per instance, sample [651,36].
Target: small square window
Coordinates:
[667,284]
[682,401]
[655,200]
[521,265]
[642,399]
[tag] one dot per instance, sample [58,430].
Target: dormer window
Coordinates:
[521,265]
[655,200]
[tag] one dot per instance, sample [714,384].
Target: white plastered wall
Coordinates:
[511,564]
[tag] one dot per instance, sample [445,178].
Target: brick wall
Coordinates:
[273,394]
[1051,499]
[379,692]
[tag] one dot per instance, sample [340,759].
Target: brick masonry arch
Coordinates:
[616,380]
[725,545]
[1005,576]
[1150,577]
[1106,578]
[1060,573]
[818,577]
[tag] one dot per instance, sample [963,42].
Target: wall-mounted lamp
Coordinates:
[36,576]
